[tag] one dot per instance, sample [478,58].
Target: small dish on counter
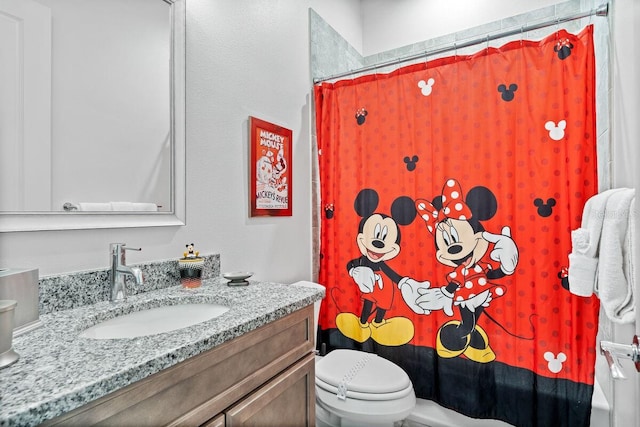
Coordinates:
[237,278]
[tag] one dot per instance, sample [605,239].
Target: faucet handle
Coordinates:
[121,247]
[612,351]
[636,356]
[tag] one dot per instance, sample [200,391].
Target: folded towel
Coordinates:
[583,271]
[583,261]
[583,264]
[94,207]
[131,206]
[615,284]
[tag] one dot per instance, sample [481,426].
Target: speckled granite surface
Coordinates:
[59,371]
[65,291]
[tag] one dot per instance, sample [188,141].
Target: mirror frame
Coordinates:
[40,221]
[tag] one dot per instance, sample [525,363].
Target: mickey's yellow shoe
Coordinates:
[350,326]
[482,353]
[442,350]
[392,332]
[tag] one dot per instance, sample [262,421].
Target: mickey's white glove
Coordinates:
[504,250]
[411,290]
[422,299]
[483,299]
[437,299]
[365,278]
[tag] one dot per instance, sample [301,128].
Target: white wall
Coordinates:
[626,90]
[389,25]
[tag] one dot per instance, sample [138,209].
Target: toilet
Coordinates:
[355,388]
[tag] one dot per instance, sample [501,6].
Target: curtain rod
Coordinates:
[602,10]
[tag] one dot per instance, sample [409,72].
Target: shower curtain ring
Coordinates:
[487,48]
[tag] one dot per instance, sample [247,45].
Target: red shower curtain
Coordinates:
[449,190]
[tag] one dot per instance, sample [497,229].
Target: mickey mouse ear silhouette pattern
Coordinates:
[544,210]
[411,162]
[555,362]
[556,132]
[563,48]
[361,116]
[508,93]
[426,87]
[328,210]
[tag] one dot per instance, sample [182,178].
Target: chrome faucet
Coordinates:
[119,269]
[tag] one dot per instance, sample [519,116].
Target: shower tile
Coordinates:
[395,53]
[479,31]
[604,161]
[330,52]
[568,8]
[523,19]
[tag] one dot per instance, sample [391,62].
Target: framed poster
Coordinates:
[270,166]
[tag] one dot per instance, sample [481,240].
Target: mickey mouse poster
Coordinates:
[270,165]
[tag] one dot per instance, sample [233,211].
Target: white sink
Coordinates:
[154,321]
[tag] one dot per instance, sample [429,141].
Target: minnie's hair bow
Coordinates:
[453,206]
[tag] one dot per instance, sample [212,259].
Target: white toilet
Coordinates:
[355,388]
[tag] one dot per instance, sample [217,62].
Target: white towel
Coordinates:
[94,207]
[615,284]
[583,260]
[131,206]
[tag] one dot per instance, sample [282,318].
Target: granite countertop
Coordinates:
[59,371]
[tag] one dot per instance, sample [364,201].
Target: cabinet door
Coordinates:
[286,400]
[215,422]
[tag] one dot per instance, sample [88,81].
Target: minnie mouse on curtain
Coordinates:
[449,191]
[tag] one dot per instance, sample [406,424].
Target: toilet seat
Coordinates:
[363,387]
[360,375]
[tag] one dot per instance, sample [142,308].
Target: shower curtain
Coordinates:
[449,190]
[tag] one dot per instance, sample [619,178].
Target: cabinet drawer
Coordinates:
[195,390]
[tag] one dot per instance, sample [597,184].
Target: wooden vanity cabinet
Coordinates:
[286,400]
[262,378]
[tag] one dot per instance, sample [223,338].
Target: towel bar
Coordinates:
[70,207]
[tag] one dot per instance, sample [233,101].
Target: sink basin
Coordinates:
[154,321]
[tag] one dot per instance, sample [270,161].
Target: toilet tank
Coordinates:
[21,285]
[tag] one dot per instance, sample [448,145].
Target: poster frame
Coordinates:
[270,156]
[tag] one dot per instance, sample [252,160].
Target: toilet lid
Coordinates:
[350,371]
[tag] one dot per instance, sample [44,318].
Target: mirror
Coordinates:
[94,116]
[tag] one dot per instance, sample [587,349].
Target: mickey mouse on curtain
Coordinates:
[378,241]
